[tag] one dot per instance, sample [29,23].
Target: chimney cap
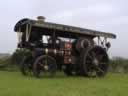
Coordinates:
[41,18]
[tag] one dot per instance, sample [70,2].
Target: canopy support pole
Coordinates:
[19,35]
[28,31]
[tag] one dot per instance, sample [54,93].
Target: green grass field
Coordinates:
[14,84]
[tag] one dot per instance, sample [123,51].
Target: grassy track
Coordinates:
[14,84]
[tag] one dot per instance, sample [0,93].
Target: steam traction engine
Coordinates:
[55,47]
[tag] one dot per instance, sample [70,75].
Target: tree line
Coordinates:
[11,62]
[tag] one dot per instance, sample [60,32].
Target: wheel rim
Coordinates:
[96,62]
[26,66]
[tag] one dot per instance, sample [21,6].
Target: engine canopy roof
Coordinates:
[60,29]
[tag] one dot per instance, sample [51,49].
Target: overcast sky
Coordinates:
[104,15]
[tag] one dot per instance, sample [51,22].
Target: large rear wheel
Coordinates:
[95,62]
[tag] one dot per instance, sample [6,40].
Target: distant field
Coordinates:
[14,84]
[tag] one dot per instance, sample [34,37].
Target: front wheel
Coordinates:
[44,64]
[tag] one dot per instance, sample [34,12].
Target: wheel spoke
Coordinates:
[99,69]
[103,63]
[90,57]
[40,63]
[100,57]
[93,55]
[46,61]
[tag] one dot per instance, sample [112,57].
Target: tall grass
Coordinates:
[13,84]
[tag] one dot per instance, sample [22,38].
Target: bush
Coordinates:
[18,55]
[118,64]
[6,64]
[12,62]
